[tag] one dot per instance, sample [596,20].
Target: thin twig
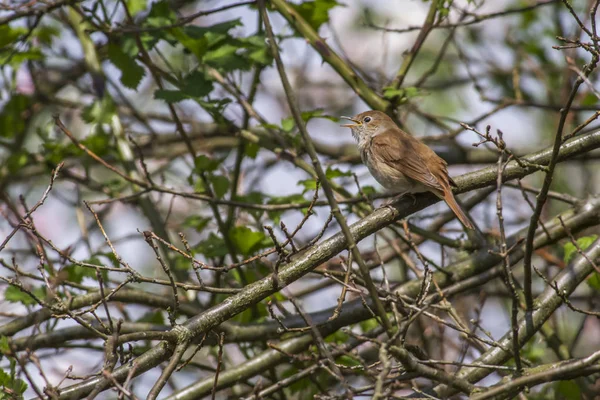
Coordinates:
[380,309]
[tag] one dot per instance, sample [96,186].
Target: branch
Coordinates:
[257,364]
[359,86]
[310,148]
[28,12]
[474,20]
[315,256]
[567,281]
[545,373]
[412,54]
[543,195]
[470,273]
[430,372]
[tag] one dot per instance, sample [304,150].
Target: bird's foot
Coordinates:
[396,198]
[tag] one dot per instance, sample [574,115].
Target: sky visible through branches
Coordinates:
[182,216]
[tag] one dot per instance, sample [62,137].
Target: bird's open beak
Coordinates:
[356,122]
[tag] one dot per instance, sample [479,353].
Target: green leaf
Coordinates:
[129,46]
[402,94]
[4,347]
[19,386]
[317,113]
[11,383]
[4,380]
[443,8]
[348,361]
[257,51]
[194,86]
[197,46]
[205,164]
[213,246]
[153,317]
[336,173]
[253,198]
[116,185]
[589,99]
[277,296]
[288,124]
[368,324]
[309,386]
[46,34]
[14,295]
[196,222]
[90,272]
[215,107]
[534,48]
[535,352]
[131,72]
[594,281]
[161,14]
[527,18]
[111,258]
[226,57]
[390,92]
[12,122]
[338,337]
[9,34]
[582,242]
[268,126]
[181,263]
[368,190]
[197,85]
[309,184]
[17,160]
[16,58]
[316,13]
[170,96]
[56,152]
[569,389]
[135,6]
[199,187]
[98,143]
[221,28]
[198,40]
[220,185]
[76,273]
[251,150]
[100,111]
[245,239]
[252,316]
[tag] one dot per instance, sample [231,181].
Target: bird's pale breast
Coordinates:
[388,176]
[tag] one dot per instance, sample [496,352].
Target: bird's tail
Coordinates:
[451,201]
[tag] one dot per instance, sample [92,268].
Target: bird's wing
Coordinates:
[412,158]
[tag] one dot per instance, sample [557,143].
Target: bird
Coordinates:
[401,162]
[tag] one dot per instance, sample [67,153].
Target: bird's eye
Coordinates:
[367,119]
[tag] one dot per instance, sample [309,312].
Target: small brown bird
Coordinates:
[400,162]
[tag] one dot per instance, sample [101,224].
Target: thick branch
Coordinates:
[327,249]
[470,273]
[566,282]
[310,148]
